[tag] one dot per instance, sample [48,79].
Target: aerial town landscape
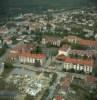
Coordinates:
[49,56]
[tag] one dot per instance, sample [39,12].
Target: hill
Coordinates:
[17,6]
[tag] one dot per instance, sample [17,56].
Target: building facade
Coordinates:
[32,58]
[79,65]
[56,41]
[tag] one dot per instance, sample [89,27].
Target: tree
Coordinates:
[71,70]
[5,45]
[64,70]
[38,50]
[8,65]
[2,51]
[77,46]
[95,71]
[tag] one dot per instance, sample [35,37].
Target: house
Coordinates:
[58,97]
[91,81]
[32,58]
[64,50]
[60,57]
[56,41]
[24,54]
[72,39]
[65,83]
[88,43]
[26,57]
[23,48]
[78,64]
[3,30]
[8,41]
[83,53]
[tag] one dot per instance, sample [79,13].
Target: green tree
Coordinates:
[95,71]
[38,50]
[2,51]
[8,65]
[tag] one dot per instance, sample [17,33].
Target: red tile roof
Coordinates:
[88,42]
[90,78]
[66,82]
[58,98]
[24,47]
[36,56]
[60,57]
[84,52]
[79,61]
[13,55]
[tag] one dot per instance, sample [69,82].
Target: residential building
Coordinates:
[56,41]
[32,58]
[88,43]
[58,97]
[82,53]
[91,81]
[79,64]
[64,50]
[23,48]
[60,57]
[72,39]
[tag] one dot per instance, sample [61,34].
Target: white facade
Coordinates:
[64,52]
[23,59]
[85,68]
[55,42]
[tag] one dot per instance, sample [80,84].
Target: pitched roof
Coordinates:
[60,57]
[83,52]
[24,47]
[58,97]
[88,42]
[79,61]
[67,82]
[90,79]
[36,56]
[52,38]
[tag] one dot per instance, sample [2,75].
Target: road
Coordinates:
[53,88]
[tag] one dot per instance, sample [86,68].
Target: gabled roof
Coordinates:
[79,61]
[73,37]
[36,56]
[52,38]
[88,42]
[58,97]
[90,79]
[60,57]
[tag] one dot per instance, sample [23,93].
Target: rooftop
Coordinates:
[79,61]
